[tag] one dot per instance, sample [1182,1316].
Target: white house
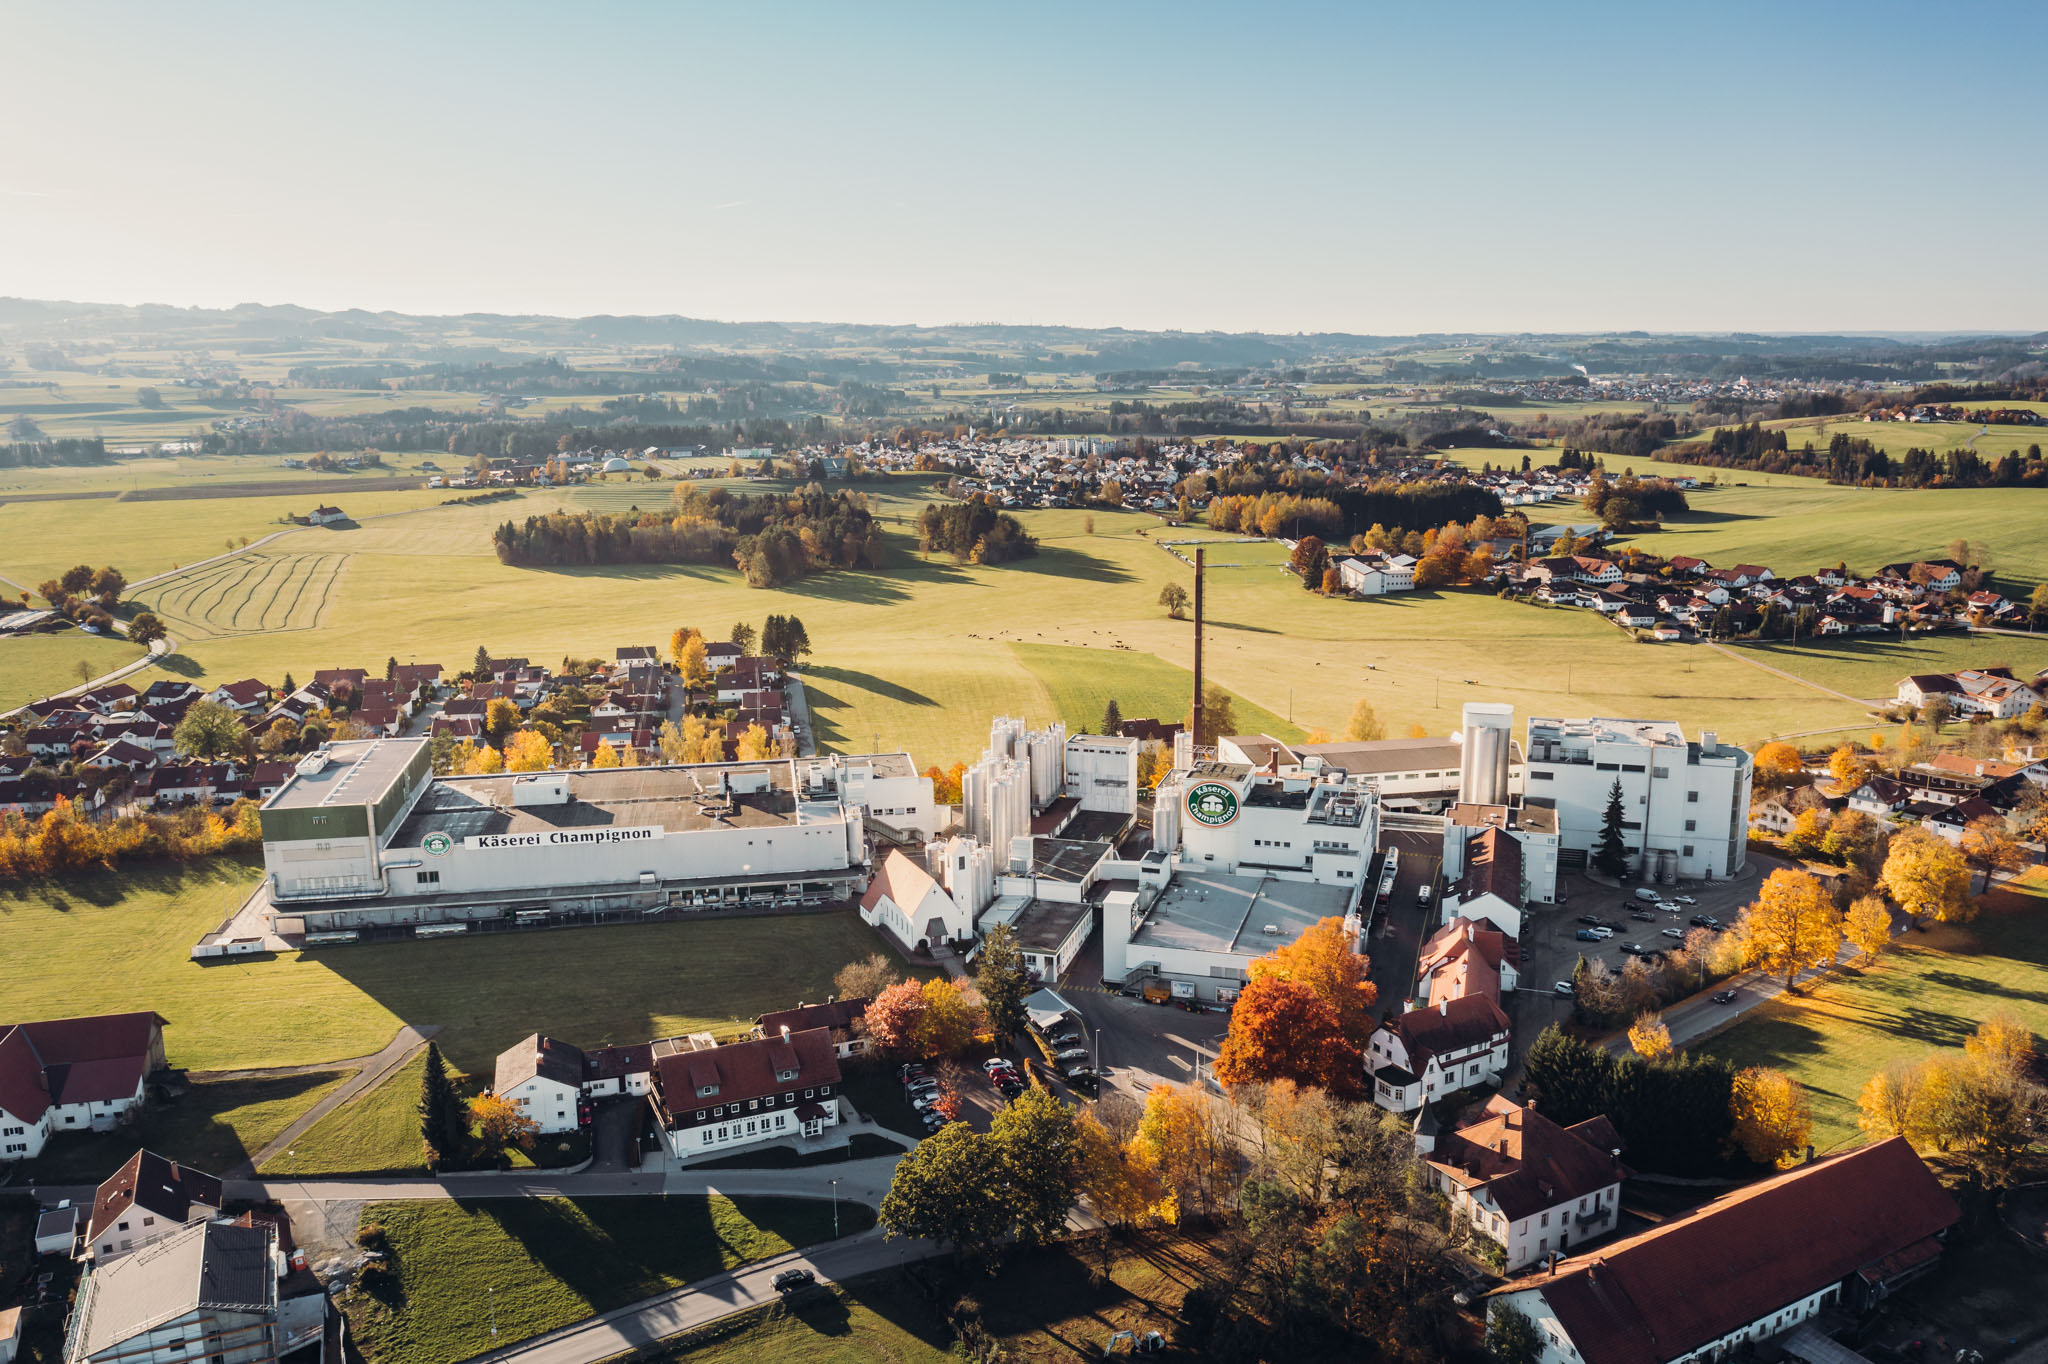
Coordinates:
[326,516]
[1364,576]
[1418,1057]
[144,1201]
[712,1099]
[1490,886]
[543,1079]
[1839,1233]
[73,1074]
[843,1018]
[1525,1182]
[1972,691]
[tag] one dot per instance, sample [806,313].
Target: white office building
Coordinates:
[1685,805]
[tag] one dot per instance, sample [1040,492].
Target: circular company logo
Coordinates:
[1212,804]
[437,844]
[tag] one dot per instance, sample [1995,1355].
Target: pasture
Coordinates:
[34,666]
[1930,991]
[130,931]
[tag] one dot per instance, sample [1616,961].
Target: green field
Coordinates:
[874,1319]
[1930,991]
[551,1261]
[1873,667]
[266,592]
[216,1124]
[377,1132]
[1895,438]
[34,666]
[129,933]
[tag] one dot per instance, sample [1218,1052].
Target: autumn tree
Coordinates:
[1868,926]
[1184,1138]
[500,1124]
[1808,832]
[695,663]
[1770,1115]
[1281,1030]
[867,978]
[895,1016]
[2002,1040]
[1927,877]
[754,745]
[605,756]
[1792,927]
[1119,1185]
[501,718]
[487,761]
[1847,768]
[1324,960]
[1776,761]
[1650,1037]
[1989,847]
[1888,1103]
[951,1018]
[147,628]
[1174,598]
[1365,725]
[528,752]
[210,732]
[1311,556]
[679,642]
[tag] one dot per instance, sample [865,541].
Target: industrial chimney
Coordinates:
[1483,761]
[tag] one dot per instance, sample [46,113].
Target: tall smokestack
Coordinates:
[1197,726]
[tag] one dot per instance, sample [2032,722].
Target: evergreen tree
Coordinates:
[444,1122]
[391,668]
[1112,720]
[483,664]
[799,638]
[1003,980]
[289,686]
[775,638]
[1611,857]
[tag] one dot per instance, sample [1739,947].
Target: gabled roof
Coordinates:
[837,1014]
[214,1265]
[1463,958]
[157,1186]
[24,1092]
[1452,1025]
[1526,1162]
[540,1056]
[1669,1291]
[743,1070]
[902,880]
[1493,866]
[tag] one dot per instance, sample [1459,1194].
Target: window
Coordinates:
[706,1091]
[1544,776]
[1693,797]
[807,1094]
[427,878]
[753,1104]
[1691,824]
[1631,767]
[1660,771]
[120,1226]
[1686,851]
[149,1221]
[790,1097]
[786,1075]
[701,1113]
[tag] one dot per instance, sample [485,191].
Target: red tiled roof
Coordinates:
[1493,866]
[99,1037]
[1526,1162]
[1463,958]
[1676,1288]
[743,1070]
[1450,1026]
[840,1013]
[162,1187]
[24,1093]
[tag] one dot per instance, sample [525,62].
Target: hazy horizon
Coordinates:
[1583,168]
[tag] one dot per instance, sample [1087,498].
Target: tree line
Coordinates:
[974,529]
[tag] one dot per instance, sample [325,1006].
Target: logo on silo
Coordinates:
[436,844]
[1213,804]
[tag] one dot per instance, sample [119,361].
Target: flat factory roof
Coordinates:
[675,799]
[1040,925]
[1066,859]
[357,772]
[1210,912]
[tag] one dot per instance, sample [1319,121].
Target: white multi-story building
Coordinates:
[711,1098]
[1417,1057]
[1685,805]
[1102,773]
[1525,1182]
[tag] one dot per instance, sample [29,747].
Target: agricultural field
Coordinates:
[130,931]
[34,666]
[1872,668]
[1930,991]
[553,1261]
[1895,438]
[266,592]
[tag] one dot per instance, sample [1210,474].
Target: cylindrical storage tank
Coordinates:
[1166,818]
[1484,751]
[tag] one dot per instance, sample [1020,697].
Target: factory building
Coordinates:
[1419,775]
[1685,805]
[1102,773]
[364,835]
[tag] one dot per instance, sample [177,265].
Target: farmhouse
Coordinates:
[363,834]
[543,1079]
[1839,1233]
[326,516]
[73,1074]
[1526,1183]
[1992,692]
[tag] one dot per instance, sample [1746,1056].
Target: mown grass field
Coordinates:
[1930,991]
[128,932]
[1896,438]
[550,1261]
[374,1133]
[34,666]
[1873,667]
[215,1125]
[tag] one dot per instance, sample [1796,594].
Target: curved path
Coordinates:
[373,1071]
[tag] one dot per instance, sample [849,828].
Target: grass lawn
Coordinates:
[1872,668]
[1929,991]
[130,931]
[1081,681]
[34,666]
[1044,1305]
[215,1125]
[376,1133]
[552,1261]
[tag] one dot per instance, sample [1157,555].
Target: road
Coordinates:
[653,1319]
[800,714]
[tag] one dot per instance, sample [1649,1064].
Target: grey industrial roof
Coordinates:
[1065,859]
[677,799]
[1211,912]
[1042,925]
[214,1265]
[357,772]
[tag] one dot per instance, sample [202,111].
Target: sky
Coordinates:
[1281,167]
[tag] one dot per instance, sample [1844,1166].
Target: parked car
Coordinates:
[1641,917]
[996,1063]
[1706,921]
[1068,1055]
[790,1280]
[1065,1039]
[1589,918]
[1645,893]
[1588,935]
[1564,987]
[904,1072]
[1603,932]
[1725,997]
[1676,934]
[1629,949]
[1422,895]
[1683,900]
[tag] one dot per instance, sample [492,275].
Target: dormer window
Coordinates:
[786,1075]
[706,1091]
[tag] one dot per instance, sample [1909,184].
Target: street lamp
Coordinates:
[835,1209]
[491,1297]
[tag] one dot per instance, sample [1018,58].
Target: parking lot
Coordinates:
[1138,1045]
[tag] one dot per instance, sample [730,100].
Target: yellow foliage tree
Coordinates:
[499,1124]
[1792,926]
[1365,725]
[1770,1115]
[1778,759]
[1886,1106]
[1324,960]
[1928,877]
[1868,925]
[527,751]
[606,756]
[754,745]
[952,1017]
[1183,1137]
[1118,1183]
[1847,768]
[1650,1036]
[486,761]
[695,663]
[1989,847]
[2002,1039]
[680,641]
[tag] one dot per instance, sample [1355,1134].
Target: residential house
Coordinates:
[1841,1233]
[1467,957]
[145,1200]
[1490,886]
[209,1291]
[543,1079]
[1526,1183]
[712,1099]
[1992,692]
[73,1074]
[1418,1057]
[326,516]
[247,696]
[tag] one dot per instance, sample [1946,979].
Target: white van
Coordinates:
[1648,896]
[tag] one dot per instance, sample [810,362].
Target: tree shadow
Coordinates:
[867,682]
[1062,562]
[178,665]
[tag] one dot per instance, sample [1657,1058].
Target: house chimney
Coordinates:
[785,1032]
[1552,1262]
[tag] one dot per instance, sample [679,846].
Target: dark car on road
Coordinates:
[1593,919]
[1705,921]
[1725,997]
[1641,917]
[791,1280]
